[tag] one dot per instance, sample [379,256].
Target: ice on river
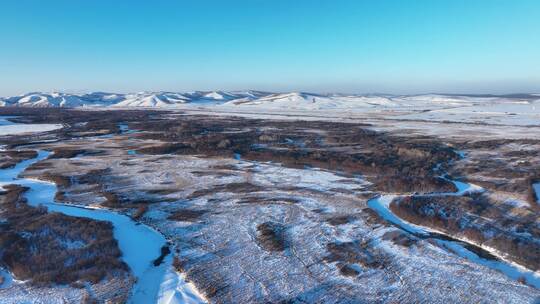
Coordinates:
[381,205]
[536,188]
[140,244]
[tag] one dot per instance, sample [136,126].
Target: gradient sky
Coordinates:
[414,46]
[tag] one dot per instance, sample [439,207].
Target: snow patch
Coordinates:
[11,128]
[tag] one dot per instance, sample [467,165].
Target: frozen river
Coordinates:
[381,205]
[140,244]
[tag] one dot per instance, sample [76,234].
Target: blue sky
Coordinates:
[414,46]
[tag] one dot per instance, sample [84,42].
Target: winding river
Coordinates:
[473,253]
[140,244]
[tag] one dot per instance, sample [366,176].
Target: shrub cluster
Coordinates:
[11,158]
[271,236]
[49,248]
[394,164]
[478,220]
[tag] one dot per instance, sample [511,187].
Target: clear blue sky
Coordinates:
[401,46]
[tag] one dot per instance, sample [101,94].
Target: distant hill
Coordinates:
[254,99]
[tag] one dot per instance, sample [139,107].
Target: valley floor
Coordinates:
[278,207]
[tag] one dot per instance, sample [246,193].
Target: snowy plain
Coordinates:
[10,128]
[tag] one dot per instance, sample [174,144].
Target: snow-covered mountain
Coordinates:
[258,99]
[311,101]
[55,99]
[44,100]
[141,99]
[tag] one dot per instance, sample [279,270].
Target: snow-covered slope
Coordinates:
[55,99]
[151,100]
[142,99]
[311,101]
[45,100]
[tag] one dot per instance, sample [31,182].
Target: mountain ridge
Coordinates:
[252,98]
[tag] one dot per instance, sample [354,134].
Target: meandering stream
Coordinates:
[140,244]
[473,253]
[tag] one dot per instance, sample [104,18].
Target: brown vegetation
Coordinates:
[66,153]
[186,215]
[49,248]
[60,180]
[268,200]
[478,220]
[394,164]
[337,220]
[356,252]
[165,250]
[400,238]
[271,236]
[532,196]
[139,212]
[11,158]
[177,264]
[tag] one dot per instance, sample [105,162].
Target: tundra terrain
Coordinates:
[274,210]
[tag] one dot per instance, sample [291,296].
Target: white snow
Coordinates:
[511,270]
[498,109]
[518,110]
[381,204]
[175,289]
[145,99]
[273,174]
[310,101]
[47,100]
[465,188]
[10,128]
[140,99]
